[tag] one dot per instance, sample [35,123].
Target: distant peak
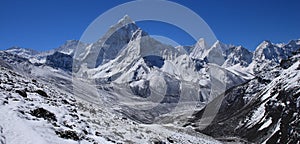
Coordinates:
[19,48]
[15,47]
[125,20]
[71,41]
[267,42]
[292,42]
[218,43]
[201,40]
[201,44]
[240,47]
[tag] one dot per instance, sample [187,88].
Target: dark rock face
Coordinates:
[9,60]
[170,139]
[67,134]
[286,63]
[152,61]
[199,64]
[287,115]
[42,93]
[45,114]
[60,60]
[4,64]
[232,118]
[22,93]
[159,142]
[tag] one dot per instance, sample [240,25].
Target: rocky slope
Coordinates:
[33,111]
[260,110]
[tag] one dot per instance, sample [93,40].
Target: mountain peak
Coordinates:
[218,44]
[264,44]
[201,44]
[17,48]
[125,23]
[292,43]
[125,20]
[108,46]
[22,52]
[267,42]
[72,41]
[199,49]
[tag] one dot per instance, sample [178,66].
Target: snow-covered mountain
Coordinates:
[23,52]
[126,85]
[237,55]
[145,68]
[109,46]
[214,54]
[268,54]
[261,110]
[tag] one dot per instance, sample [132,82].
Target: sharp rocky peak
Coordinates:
[275,52]
[223,47]
[19,48]
[293,43]
[264,44]
[199,49]
[125,24]
[201,44]
[125,20]
[113,42]
[15,47]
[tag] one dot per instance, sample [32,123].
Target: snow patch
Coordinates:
[266,124]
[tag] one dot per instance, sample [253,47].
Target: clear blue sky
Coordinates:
[46,24]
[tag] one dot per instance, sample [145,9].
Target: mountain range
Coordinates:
[128,87]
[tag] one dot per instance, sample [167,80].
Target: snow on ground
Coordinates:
[257,116]
[32,112]
[290,79]
[266,124]
[244,72]
[294,74]
[17,130]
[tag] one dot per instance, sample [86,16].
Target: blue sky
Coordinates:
[43,25]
